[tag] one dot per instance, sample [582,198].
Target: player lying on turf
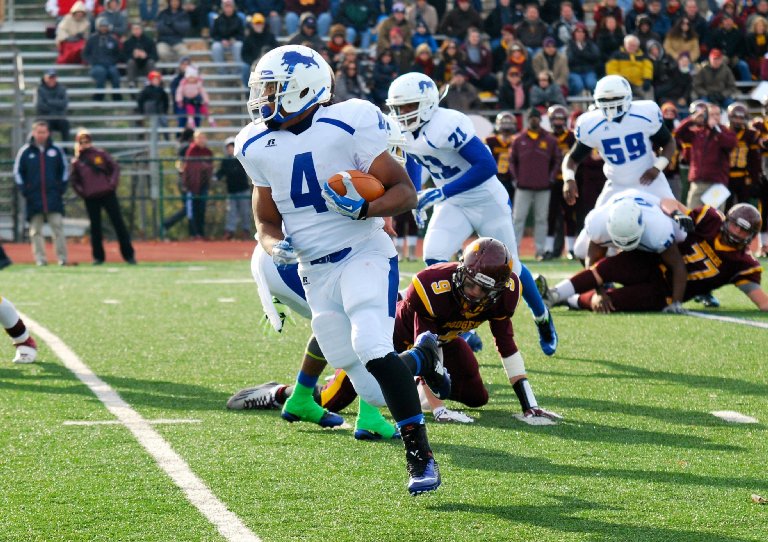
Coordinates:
[716,253]
[447,299]
[26,349]
[635,220]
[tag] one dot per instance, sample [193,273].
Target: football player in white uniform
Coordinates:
[468,196]
[632,220]
[26,349]
[347,263]
[624,133]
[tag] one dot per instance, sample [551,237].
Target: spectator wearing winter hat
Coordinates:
[153,99]
[421,36]
[337,40]
[714,81]
[139,53]
[307,33]
[193,98]
[102,53]
[678,85]
[518,57]
[546,92]
[296,11]
[52,103]
[71,33]
[402,52]
[512,94]
[395,20]
[639,7]
[422,10]
[552,60]
[384,72]
[660,23]
[258,40]
[583,58]
[425,63]
[607,8]
[501,51]
[645,32]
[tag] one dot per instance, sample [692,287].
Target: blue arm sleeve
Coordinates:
[414,171]
[483,167]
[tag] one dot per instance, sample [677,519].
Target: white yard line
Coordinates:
[118,422]
[729,319]
[226,522]
[733,416]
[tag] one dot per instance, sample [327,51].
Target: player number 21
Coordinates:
[614,152]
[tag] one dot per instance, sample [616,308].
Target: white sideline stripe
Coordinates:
[118,422]
[729,319]
[226,522]
[733,416]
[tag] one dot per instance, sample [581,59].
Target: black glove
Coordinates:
[647,85]
[685,221]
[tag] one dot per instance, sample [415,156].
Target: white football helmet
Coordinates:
[613,96]
[413,88]
[286,82]
[395,139]
[625,224]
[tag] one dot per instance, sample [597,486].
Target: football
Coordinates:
[368,186]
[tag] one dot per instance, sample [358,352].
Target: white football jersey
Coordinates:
[626,145]
[344,136]
[660,230]
[437,148]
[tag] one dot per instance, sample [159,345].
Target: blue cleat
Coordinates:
[433,371]
[473,340]
[708,300]
[424,478]
[547,335]
[328,419]
[365,434]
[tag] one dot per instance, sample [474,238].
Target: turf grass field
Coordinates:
[638,457]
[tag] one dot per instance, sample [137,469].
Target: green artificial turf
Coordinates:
[638,456]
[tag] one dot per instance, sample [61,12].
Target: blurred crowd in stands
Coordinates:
[514,56]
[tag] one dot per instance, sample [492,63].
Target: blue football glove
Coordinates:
[352,205]
[283,253]
[429,197]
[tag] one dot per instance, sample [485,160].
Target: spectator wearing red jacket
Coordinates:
[710,144]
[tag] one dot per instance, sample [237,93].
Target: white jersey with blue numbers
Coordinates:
[660,230]
[626,145]
[437,146]
[344,136]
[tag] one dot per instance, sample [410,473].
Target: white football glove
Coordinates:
[443,415]
[420,217]
[537,412]
[352,205]
[283,253]
[428,198]
[674,308]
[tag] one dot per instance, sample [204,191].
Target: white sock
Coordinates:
[569,242]
[549,243]
[8,313]
[573,302]
[764,239]
[564,289]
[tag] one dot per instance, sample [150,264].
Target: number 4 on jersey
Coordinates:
[304,168]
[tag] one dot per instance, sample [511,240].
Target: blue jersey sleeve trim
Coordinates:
[598,125]
[414,171]
[254,139]
[483,167]
[646,119]
[339,124]
[429,142]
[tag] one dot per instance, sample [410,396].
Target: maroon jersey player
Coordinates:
[452,298]
[716,253]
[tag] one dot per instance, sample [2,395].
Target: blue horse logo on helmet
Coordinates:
[424,85]
[291,59]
